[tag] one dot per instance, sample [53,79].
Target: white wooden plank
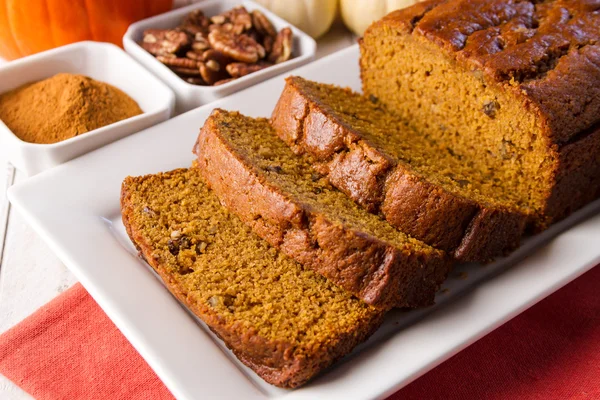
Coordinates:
[6,180]
[31,274]
[10,391]
[5,183]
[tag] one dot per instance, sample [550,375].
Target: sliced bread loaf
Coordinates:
[418,184]
[285,322]
[278,194]
[514,83]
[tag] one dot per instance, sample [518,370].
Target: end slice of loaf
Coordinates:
[285,322]
[514,83]
[418,184]
[258,177]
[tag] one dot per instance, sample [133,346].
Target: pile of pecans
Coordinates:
[216,50]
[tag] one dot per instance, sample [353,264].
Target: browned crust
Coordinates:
[578,179]
[273,361]
[371,269]
[466,229]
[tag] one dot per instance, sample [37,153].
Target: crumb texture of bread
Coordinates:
[286,202]
[418,183]
[514,83]
[282,320]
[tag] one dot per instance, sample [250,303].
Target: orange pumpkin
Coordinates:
[31,26]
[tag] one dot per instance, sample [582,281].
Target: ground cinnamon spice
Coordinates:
[63,106]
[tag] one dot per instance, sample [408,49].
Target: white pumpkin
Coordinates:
[359,14]
[311,16]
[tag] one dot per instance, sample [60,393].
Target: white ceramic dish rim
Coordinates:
[174,79]
[378,370]
[39,57]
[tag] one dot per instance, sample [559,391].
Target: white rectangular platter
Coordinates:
[75,207]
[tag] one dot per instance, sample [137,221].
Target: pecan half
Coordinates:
[212,73]
[195,22]
[282,48]
[163,41]
[237,20]
[238,69]
[212,54]
[262,24]
[186,71]
[200,44]
[214,65]
[239,47]
[194,55]
[178,62]
[223,81]
[226,27]
[240,18]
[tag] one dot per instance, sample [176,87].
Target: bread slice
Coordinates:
[419,185]
[258,177]
[285,322]
[515,84]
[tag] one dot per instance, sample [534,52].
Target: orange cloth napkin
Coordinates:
[69,349]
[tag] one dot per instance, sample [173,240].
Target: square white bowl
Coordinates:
[101,61]
[191,96]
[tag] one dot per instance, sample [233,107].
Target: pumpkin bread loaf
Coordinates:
[417,183]
[513,83]
[285,322]
[278,194]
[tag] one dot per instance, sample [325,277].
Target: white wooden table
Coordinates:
[30,274]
